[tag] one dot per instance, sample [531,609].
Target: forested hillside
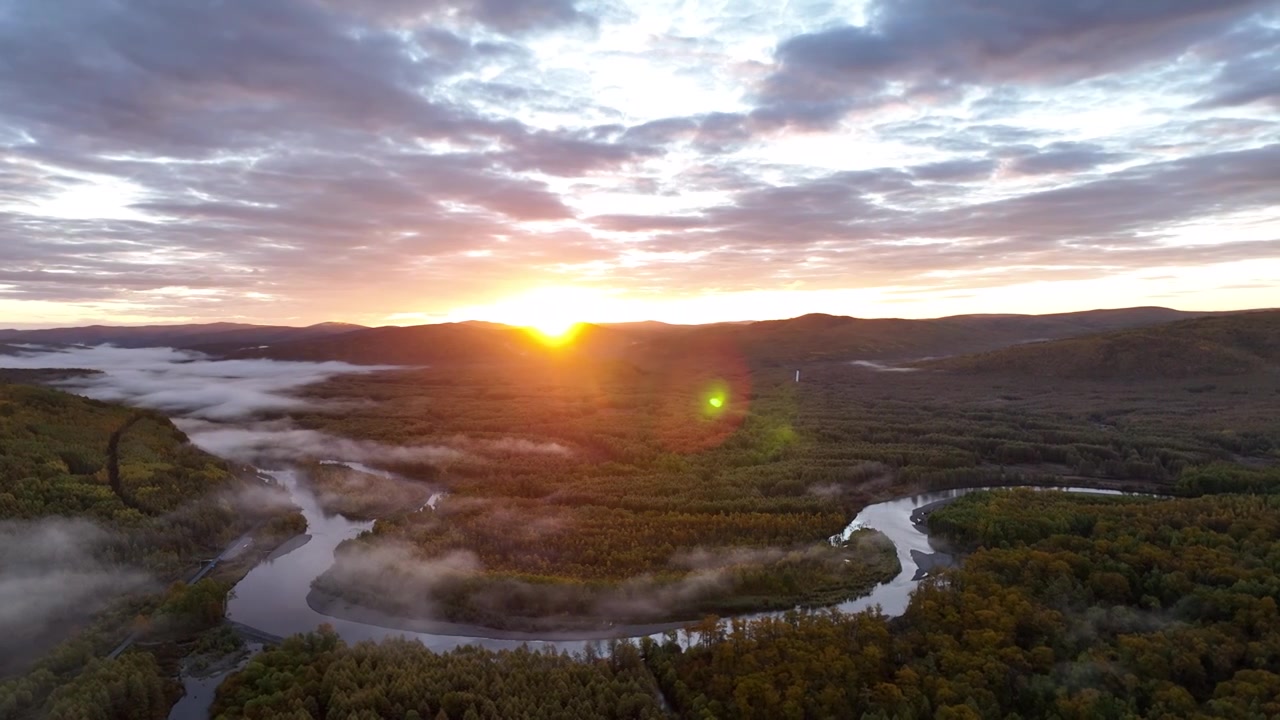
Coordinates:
[69,456]
[101,507]
[593,492]
[819,337]
[1236,344]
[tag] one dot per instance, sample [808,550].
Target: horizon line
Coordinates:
[357,326]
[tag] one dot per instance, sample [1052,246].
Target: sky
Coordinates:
[413,161]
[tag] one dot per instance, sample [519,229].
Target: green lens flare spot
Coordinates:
[714,399]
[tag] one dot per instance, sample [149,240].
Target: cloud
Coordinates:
[959,170]
[252,139]
[881,367]
[932,48]
[1134,200]
[519,446]
[51,575]
[1249,69]
[819,229]
[1060,158]
[512,17]
[276,161]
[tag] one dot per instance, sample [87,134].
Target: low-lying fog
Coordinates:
[216,401]
[49,569]
[51,574]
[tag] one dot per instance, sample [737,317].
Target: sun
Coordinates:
[552,315]
[554,330]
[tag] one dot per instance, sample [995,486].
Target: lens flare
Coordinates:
[702,394]
[716,399]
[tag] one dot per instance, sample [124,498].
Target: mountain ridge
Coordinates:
[1219,345]
[813,337]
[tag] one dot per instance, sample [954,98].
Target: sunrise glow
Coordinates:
[681,162]
[555,331]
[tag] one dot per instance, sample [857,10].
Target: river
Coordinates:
[273,597]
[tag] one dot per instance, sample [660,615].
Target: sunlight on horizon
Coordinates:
[555,333]
[552,315]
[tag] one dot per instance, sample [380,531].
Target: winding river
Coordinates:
[273,597]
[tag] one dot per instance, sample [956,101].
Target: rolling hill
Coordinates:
[214,337]
[464,342]
[806,339]
[1234,344]
[820,337]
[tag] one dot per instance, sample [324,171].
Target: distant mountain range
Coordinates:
[806,339]
[1234,344]
[213,337]
[817,337]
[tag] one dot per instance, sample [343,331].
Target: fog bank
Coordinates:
[184,382]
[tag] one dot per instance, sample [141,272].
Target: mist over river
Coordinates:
[276,597]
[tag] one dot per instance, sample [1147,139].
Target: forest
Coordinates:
[1067,607]
[319,676]
[580,491]
[1234,344]
[577,477]
[125,506]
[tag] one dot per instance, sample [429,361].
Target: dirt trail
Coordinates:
[113,464]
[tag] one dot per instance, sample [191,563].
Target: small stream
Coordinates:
[199,689]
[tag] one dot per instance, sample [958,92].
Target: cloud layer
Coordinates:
[304,160]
